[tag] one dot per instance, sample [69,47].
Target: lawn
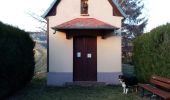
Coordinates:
[37,90]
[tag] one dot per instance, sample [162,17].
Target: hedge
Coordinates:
[151,53]
[16,59]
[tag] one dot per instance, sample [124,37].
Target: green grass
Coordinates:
[37,90]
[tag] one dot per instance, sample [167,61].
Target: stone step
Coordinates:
[85,83]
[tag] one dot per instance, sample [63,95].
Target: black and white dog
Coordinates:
[127,82]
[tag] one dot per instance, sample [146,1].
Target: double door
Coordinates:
[85,58]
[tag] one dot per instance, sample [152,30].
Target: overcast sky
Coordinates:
[14,12]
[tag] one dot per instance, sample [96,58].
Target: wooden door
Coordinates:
[85,59]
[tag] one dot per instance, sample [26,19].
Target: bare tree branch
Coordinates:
[37,17]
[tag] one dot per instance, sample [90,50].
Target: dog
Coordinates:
[128,82]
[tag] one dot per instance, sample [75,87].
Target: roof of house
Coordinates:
[56,2]
[84,23]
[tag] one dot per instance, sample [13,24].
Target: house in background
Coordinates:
[39,37]
[82,43]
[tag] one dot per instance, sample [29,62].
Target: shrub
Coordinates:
[16,59]
[151,53]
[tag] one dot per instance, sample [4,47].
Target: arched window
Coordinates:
[84,7]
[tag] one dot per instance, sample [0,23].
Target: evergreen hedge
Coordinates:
[151,53]
[16,59]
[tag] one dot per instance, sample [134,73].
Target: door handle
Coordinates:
[89,55]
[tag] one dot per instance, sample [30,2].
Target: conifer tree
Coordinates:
[135,21]
[132,26]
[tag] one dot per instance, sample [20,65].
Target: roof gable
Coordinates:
[117,6]
[52,11]
[51,8]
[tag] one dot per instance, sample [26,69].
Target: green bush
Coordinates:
[151,53]
[16,59]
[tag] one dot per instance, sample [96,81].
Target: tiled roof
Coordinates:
[85,23]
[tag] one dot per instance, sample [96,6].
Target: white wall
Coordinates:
[109,54]
[102,10]
[60,53]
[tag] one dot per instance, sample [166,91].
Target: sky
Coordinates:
[158,13]
[15,12]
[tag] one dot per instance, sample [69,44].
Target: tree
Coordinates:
[134,23]
[39,19]
[151,53]
[16,59]
[132,27]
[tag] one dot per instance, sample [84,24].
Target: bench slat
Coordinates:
[159,83]
[159,78]
[161,93]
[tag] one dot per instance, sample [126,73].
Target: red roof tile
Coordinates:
[85,23]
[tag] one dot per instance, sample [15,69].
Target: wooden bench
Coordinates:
[159,86]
